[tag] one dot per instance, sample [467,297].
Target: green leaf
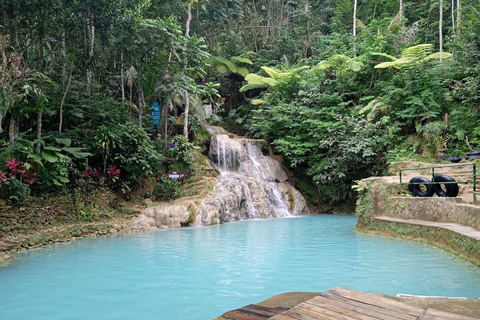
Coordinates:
[37,157]
[381,54]
[61,155]
[49,156]
[52,148]
[62,179]
[77,152]
[40,142]
[241,60]
[66,142]
[55,182]
[256,102]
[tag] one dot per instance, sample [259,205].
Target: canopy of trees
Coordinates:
[341,88]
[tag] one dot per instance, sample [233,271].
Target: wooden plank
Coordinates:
[325,312]
[281,316]
[377,300]
[353,311]
[299,314]
[238,315]
[433,314]
[387,313]
[261,310]
[317,314]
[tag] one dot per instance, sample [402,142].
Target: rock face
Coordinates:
[251,185]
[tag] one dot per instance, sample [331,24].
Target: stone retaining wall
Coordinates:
[59,209]
[431,209]
[379,197]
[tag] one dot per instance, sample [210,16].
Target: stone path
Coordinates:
[455,227]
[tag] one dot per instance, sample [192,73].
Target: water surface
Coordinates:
[199,273]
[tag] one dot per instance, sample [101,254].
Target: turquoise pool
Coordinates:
[199,273]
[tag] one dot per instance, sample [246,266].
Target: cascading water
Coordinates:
[251,185]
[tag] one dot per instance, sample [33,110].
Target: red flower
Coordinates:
[87,173]
[31,178]
[113,171]
[21,169]
[2,176]
[12,164]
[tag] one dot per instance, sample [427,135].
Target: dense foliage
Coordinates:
[338,95]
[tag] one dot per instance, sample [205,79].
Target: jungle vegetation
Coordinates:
[340,88]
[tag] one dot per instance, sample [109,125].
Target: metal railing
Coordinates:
[473,182]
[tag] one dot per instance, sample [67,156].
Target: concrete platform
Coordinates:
[455,227]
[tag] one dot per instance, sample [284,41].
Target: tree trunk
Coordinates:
[355,28]
[440,29]
[453,15]
[459,15]
[122,76]
[185,119]
[185,93]
[63,101]
[90,55]
[11,130]
[39,129]
[375,9]
[140,107]
[401,8]
[64,58]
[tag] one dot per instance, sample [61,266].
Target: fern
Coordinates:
[254,81]
[241,60]
[418,51]
[275,74]
[381,54]
[374,109]
[438,55]
[340,63]
[224,65]
[415,55]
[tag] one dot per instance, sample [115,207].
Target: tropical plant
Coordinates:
[412,56]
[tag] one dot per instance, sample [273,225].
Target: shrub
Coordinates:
[15,192]
[167,190]
[127,147]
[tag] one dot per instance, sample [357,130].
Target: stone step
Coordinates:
[455,227]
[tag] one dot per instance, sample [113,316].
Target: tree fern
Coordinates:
[241,60]
[254,81]
[381,54]
[275,74]
[340,63]
[413,56]
[224,65]
[375,109]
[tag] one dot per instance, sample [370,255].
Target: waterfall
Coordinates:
[251,185]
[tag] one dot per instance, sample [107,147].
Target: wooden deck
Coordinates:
[343,304]
[340,303]
[253,312]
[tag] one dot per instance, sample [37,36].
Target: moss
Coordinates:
[462,246]
[373,200]
[192,209]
